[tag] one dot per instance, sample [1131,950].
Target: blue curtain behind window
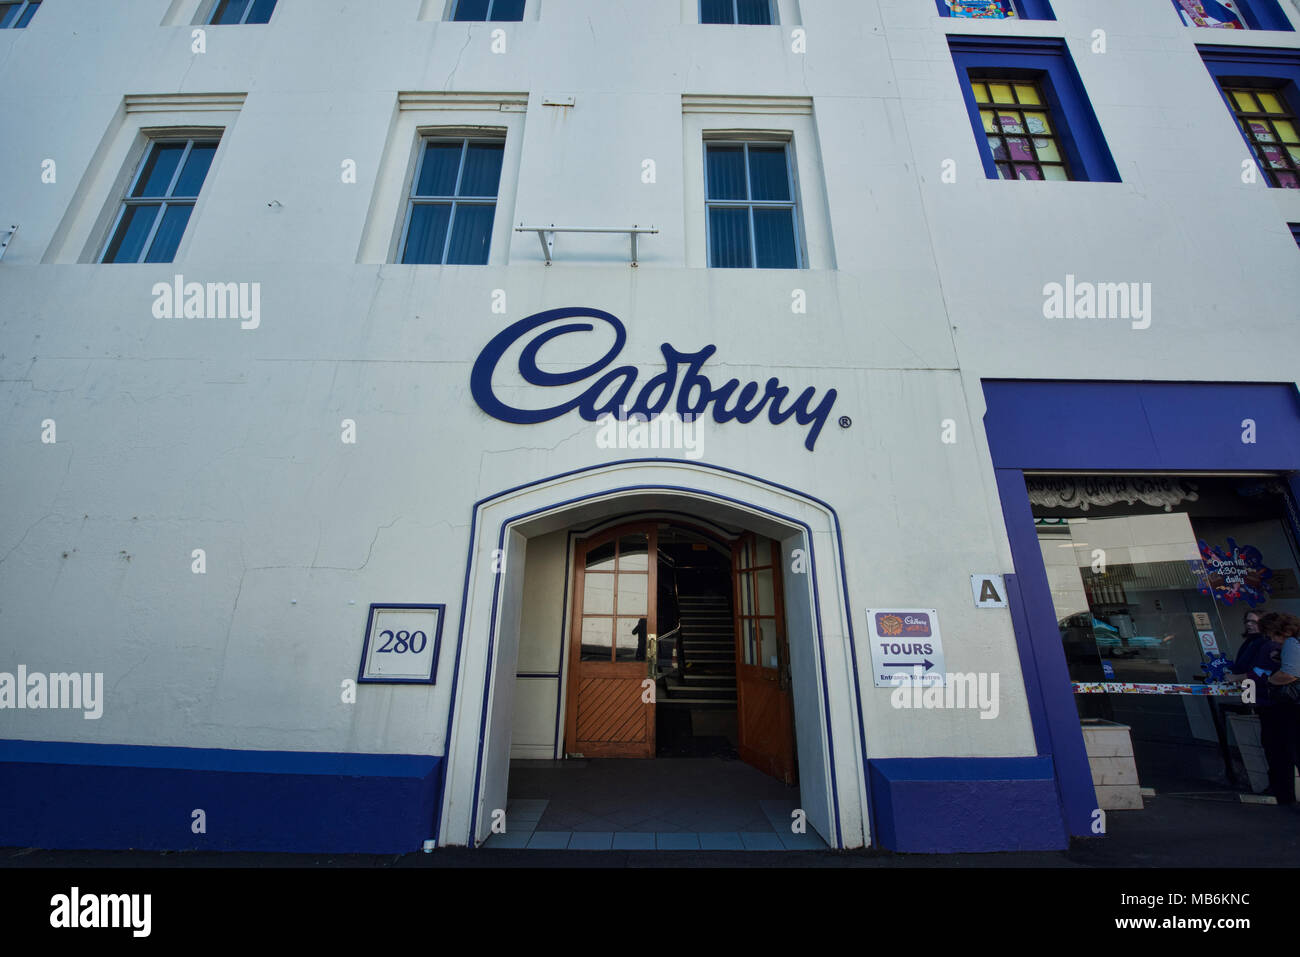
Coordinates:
[482,173]
[716,11]
[754,11]
[729,237]
[508,10]
[768,177]
[169,234]
[262,10]
[471,235]
[471,10]
[438,174]
[230,11]
[726,169]
[132,231]
[774,238]
[427,233]
[196,170]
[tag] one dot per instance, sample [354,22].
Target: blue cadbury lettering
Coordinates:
[695,396]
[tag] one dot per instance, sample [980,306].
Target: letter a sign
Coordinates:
[989,591]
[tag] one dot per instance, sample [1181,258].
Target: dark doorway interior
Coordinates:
[696,688]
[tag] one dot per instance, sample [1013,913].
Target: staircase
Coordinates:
[708,647]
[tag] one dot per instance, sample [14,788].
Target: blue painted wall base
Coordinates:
[96,796]
[956,805]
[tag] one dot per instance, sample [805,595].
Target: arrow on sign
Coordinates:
[908,664]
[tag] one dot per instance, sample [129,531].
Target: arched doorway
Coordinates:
[510,532]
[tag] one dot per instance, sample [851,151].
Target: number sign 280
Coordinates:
[401,642]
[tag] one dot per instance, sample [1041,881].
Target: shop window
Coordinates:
[484,10]
[1233,14]
[737,11]
[751,211]
[1262,91]
[1152,579]
[160,200]
[17,15]
[453,201]
[1029,111]
[242,11]
[996,9]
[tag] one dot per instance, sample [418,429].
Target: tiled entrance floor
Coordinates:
[660,804]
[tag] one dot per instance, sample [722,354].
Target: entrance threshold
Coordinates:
[708,804]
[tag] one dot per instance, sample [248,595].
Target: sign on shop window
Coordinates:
[401,645]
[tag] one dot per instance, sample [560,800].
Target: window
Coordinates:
[749,200]
[1019,130]
[499,10]
[158,205]
[1262,90]
[1233,14]
[242,11]
[736,11]
[1295,232]
[453,202]
[1029,112]
[1271,130]
[996,9]
[18,14]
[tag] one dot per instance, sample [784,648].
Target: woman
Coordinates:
[1280,720]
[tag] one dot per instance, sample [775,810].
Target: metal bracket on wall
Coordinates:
[546,235]
[6,235]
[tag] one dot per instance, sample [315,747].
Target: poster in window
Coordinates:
[1210,13]
[981,9]
[1235,573]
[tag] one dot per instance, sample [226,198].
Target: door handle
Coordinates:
[652,655]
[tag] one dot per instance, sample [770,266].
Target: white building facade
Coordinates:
[292,335]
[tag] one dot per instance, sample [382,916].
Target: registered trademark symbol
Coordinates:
[845,422]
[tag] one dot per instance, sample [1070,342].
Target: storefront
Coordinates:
[1142,535]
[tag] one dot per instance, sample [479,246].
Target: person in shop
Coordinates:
[1251,637]
[1280,731]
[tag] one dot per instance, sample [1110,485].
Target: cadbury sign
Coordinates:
[596,390]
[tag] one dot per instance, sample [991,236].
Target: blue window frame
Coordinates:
[1269,129]
[751,214]
[158,204]
[1233,14]
[18,14]
[483,10]
[453,202]
[242,11]
[996,9]
[737,11]
[1046,64]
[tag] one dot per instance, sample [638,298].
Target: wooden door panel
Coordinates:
[764,707]
[612,719]
[606,713]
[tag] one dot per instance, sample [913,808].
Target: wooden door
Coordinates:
[611,712]
[764,706]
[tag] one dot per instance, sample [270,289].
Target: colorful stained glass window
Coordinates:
[1272,130]
[1020,130]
